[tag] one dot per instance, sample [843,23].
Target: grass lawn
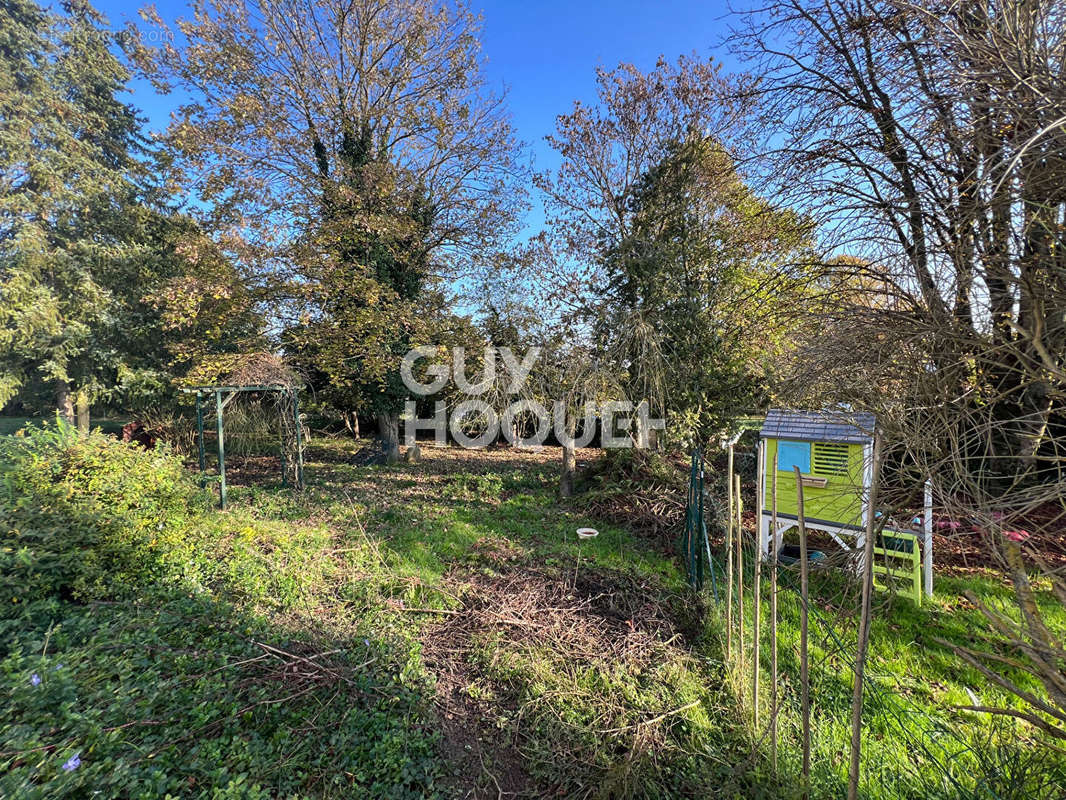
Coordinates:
[917,742]
[436,629]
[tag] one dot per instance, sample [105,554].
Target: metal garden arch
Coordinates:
[223,395]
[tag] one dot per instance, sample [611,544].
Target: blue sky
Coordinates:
[544,51]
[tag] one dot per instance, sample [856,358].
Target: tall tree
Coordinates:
[353,150]
[605,149]
[185,309]
[929,141]
[658,246]
[69,174]
[702,292]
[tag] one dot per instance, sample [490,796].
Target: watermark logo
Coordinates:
[148,35]
[475,423]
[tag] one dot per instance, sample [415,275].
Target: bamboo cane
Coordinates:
[773,618]
[740,576]
[757,589]
[729,560]
[219,406]
[805,698]
[864,628]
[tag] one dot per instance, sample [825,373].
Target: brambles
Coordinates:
[640,489]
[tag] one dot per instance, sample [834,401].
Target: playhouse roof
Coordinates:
[820,426]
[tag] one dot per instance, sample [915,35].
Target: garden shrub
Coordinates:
[87,516]
[178,685]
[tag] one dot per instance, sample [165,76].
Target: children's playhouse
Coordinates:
[834,453]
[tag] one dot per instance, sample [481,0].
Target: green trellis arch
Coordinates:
[222,396]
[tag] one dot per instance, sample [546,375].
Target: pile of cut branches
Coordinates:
[643,490]
[593,675]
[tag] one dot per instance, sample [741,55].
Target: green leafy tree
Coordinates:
[367,280]
[185,311]
[357,157]
[69,173]
[673,266]
[698,301]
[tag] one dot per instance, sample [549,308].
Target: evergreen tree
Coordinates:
[69,160]
[699,298]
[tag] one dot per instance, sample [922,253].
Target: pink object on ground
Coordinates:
[948,524]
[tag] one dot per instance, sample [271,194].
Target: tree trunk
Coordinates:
[64,401]
[351,422]
[389,433]
[1032,425]
[566,477]
[642,438]
[83,411]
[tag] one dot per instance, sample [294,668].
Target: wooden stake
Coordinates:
[805,697]
[864,627]
[729,561]
[740,576]
[773,618]
[927,541]
[757,589]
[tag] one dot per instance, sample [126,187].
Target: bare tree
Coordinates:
[658,247]
[276,86]
[607,148]
[929,139]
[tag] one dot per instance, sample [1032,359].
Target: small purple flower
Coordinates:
[35,679]
[72,763]
[366,642]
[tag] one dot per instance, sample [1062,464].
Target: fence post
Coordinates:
[864,626]
[299,441]
[690,540]
[697,527]
[284,445]
[805,689]
[200,439]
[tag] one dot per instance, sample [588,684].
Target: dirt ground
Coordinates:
[603,615]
